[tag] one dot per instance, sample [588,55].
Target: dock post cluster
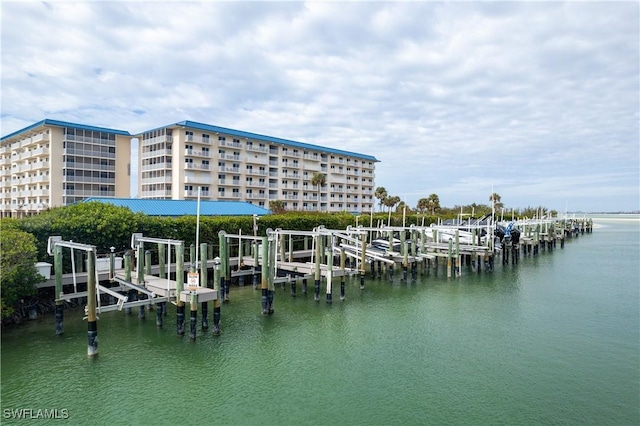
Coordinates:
[287,257]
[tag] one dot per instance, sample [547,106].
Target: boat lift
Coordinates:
[54,246]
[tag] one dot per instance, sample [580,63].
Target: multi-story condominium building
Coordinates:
[54,163]
[179,160]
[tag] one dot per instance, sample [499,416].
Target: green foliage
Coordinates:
[18,274]
[381,194]
[100,224]
[277,206]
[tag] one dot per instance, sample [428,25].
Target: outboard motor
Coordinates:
[515,235]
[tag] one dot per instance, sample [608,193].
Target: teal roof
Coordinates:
[153,207]
[58,123]
[259,137]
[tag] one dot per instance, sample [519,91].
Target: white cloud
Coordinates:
[539,99]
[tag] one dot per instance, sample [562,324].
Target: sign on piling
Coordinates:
[193,281]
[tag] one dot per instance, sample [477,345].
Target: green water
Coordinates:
[553,340]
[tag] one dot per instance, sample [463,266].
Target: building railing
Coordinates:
[231,144]
[257,148]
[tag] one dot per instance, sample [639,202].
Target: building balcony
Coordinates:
[89,153]
[291,176]
[157,166]
[257,148]
[230,157]
[163,194]
[256,159]
[157,139]
[196,153]
[40,137]
[314,167]
[157,153]
[231,144]
[257,172]
[89,179]
[227,195]
[289,153]
[39,152]
[161,179]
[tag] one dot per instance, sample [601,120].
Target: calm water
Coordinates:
[553,340]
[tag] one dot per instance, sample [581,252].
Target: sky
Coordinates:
[536,101]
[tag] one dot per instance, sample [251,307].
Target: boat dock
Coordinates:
[154,274]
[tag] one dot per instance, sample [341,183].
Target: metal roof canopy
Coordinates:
[57,123]
[155,207]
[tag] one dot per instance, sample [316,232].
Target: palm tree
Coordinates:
[389,202]
[423,204]
[495,199]
[402,205]
[433,203]
[381,194]
[319,180]
[277,206]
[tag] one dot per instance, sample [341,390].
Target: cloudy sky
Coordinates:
[537,100]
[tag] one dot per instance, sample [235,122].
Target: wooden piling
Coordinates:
[225,264]
[271,274]
[193,319]
[449,257]
[264,283]
[216,303]
[363,258]
[318,259]
[161,308]
[57,264]
[180,308]
[204,283]
[343,258]
[330,271]
[92,318]
[140,270]
[127,277]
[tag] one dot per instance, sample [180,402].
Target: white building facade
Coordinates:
[179,160]
[55,163]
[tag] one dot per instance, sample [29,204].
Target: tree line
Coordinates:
[431,205]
